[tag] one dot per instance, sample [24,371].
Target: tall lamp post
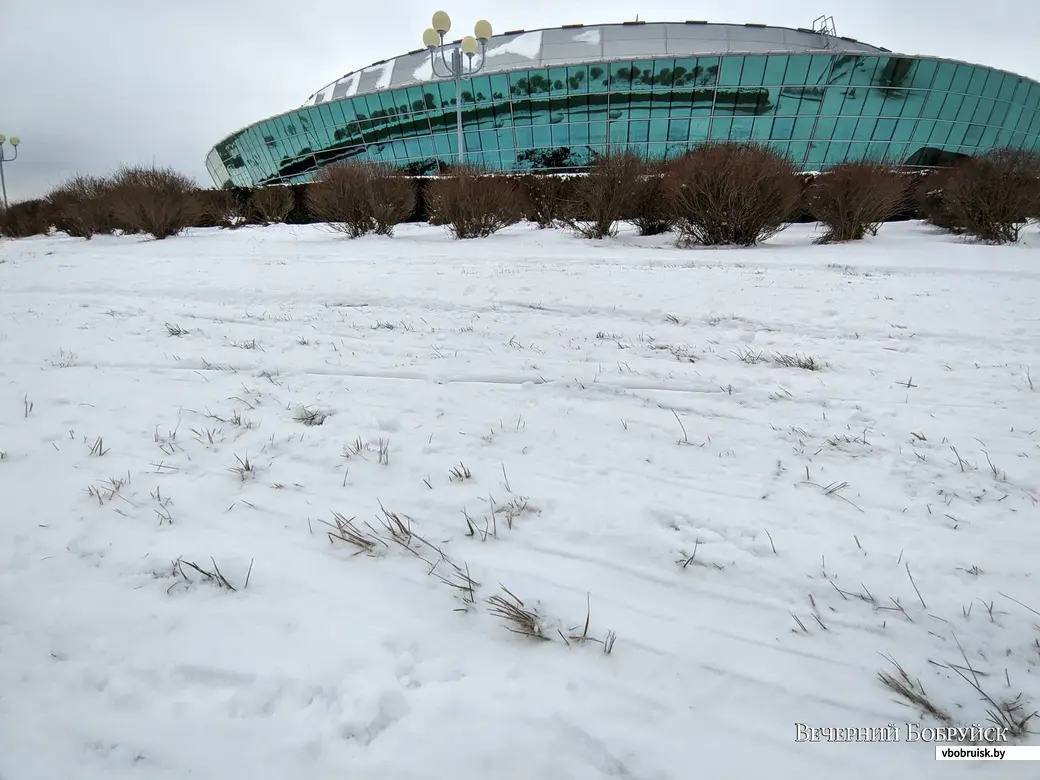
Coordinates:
[14,141]
[456,61]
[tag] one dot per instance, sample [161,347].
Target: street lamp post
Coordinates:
[14,141]
[456,60]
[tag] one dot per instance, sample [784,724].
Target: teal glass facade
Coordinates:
[819,109]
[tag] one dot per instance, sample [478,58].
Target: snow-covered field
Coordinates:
[568,420]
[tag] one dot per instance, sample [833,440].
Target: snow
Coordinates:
[425,71]
[592,393]
[386,72]
[526,45]
[588,36]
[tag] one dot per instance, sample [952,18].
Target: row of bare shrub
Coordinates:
[742,194]
[720,193]
[134,200]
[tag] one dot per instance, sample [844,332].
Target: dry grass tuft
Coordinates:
[460,473]
[517,616]
[310,417]
[807,362]
[344,530]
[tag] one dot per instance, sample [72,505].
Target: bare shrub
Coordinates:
[472,203]
[651,213]
[25,219]
[930,198]
[993,195]
[156,201]
[546,198]
[392,198]
[855,199]
[218,208]
[82,207]
[271,204]
[732,193]
[605,195]
[338,197]
[358,198]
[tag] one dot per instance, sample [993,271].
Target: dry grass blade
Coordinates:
[215,577]
[517,617]
[399,530]
[344,530]
[175,330]
[911,690]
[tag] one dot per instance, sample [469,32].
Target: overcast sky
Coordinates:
[89,85]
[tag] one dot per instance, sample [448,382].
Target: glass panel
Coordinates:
[977,84]
[845,129]
[1000,111]
[729,76]
[951,106]
[932,105]
[940,132]
[818,70]
[776,67]
[782,128]
[699,129]
[825,128]
[944,76]
[833,101]
[720,128]
[973,135]
[754,72]
[836,153]
[962,78]
[904,129]
[983,111]
[864,73]
[741,129]
[924,74]
[923,130]
[989,137]
[968,108]
[803,127]
[956,137]
[883,130]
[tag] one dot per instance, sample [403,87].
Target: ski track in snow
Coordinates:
[599,382]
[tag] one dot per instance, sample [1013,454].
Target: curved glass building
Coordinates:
[549,99]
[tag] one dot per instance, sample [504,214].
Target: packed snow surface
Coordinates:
[259,486]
